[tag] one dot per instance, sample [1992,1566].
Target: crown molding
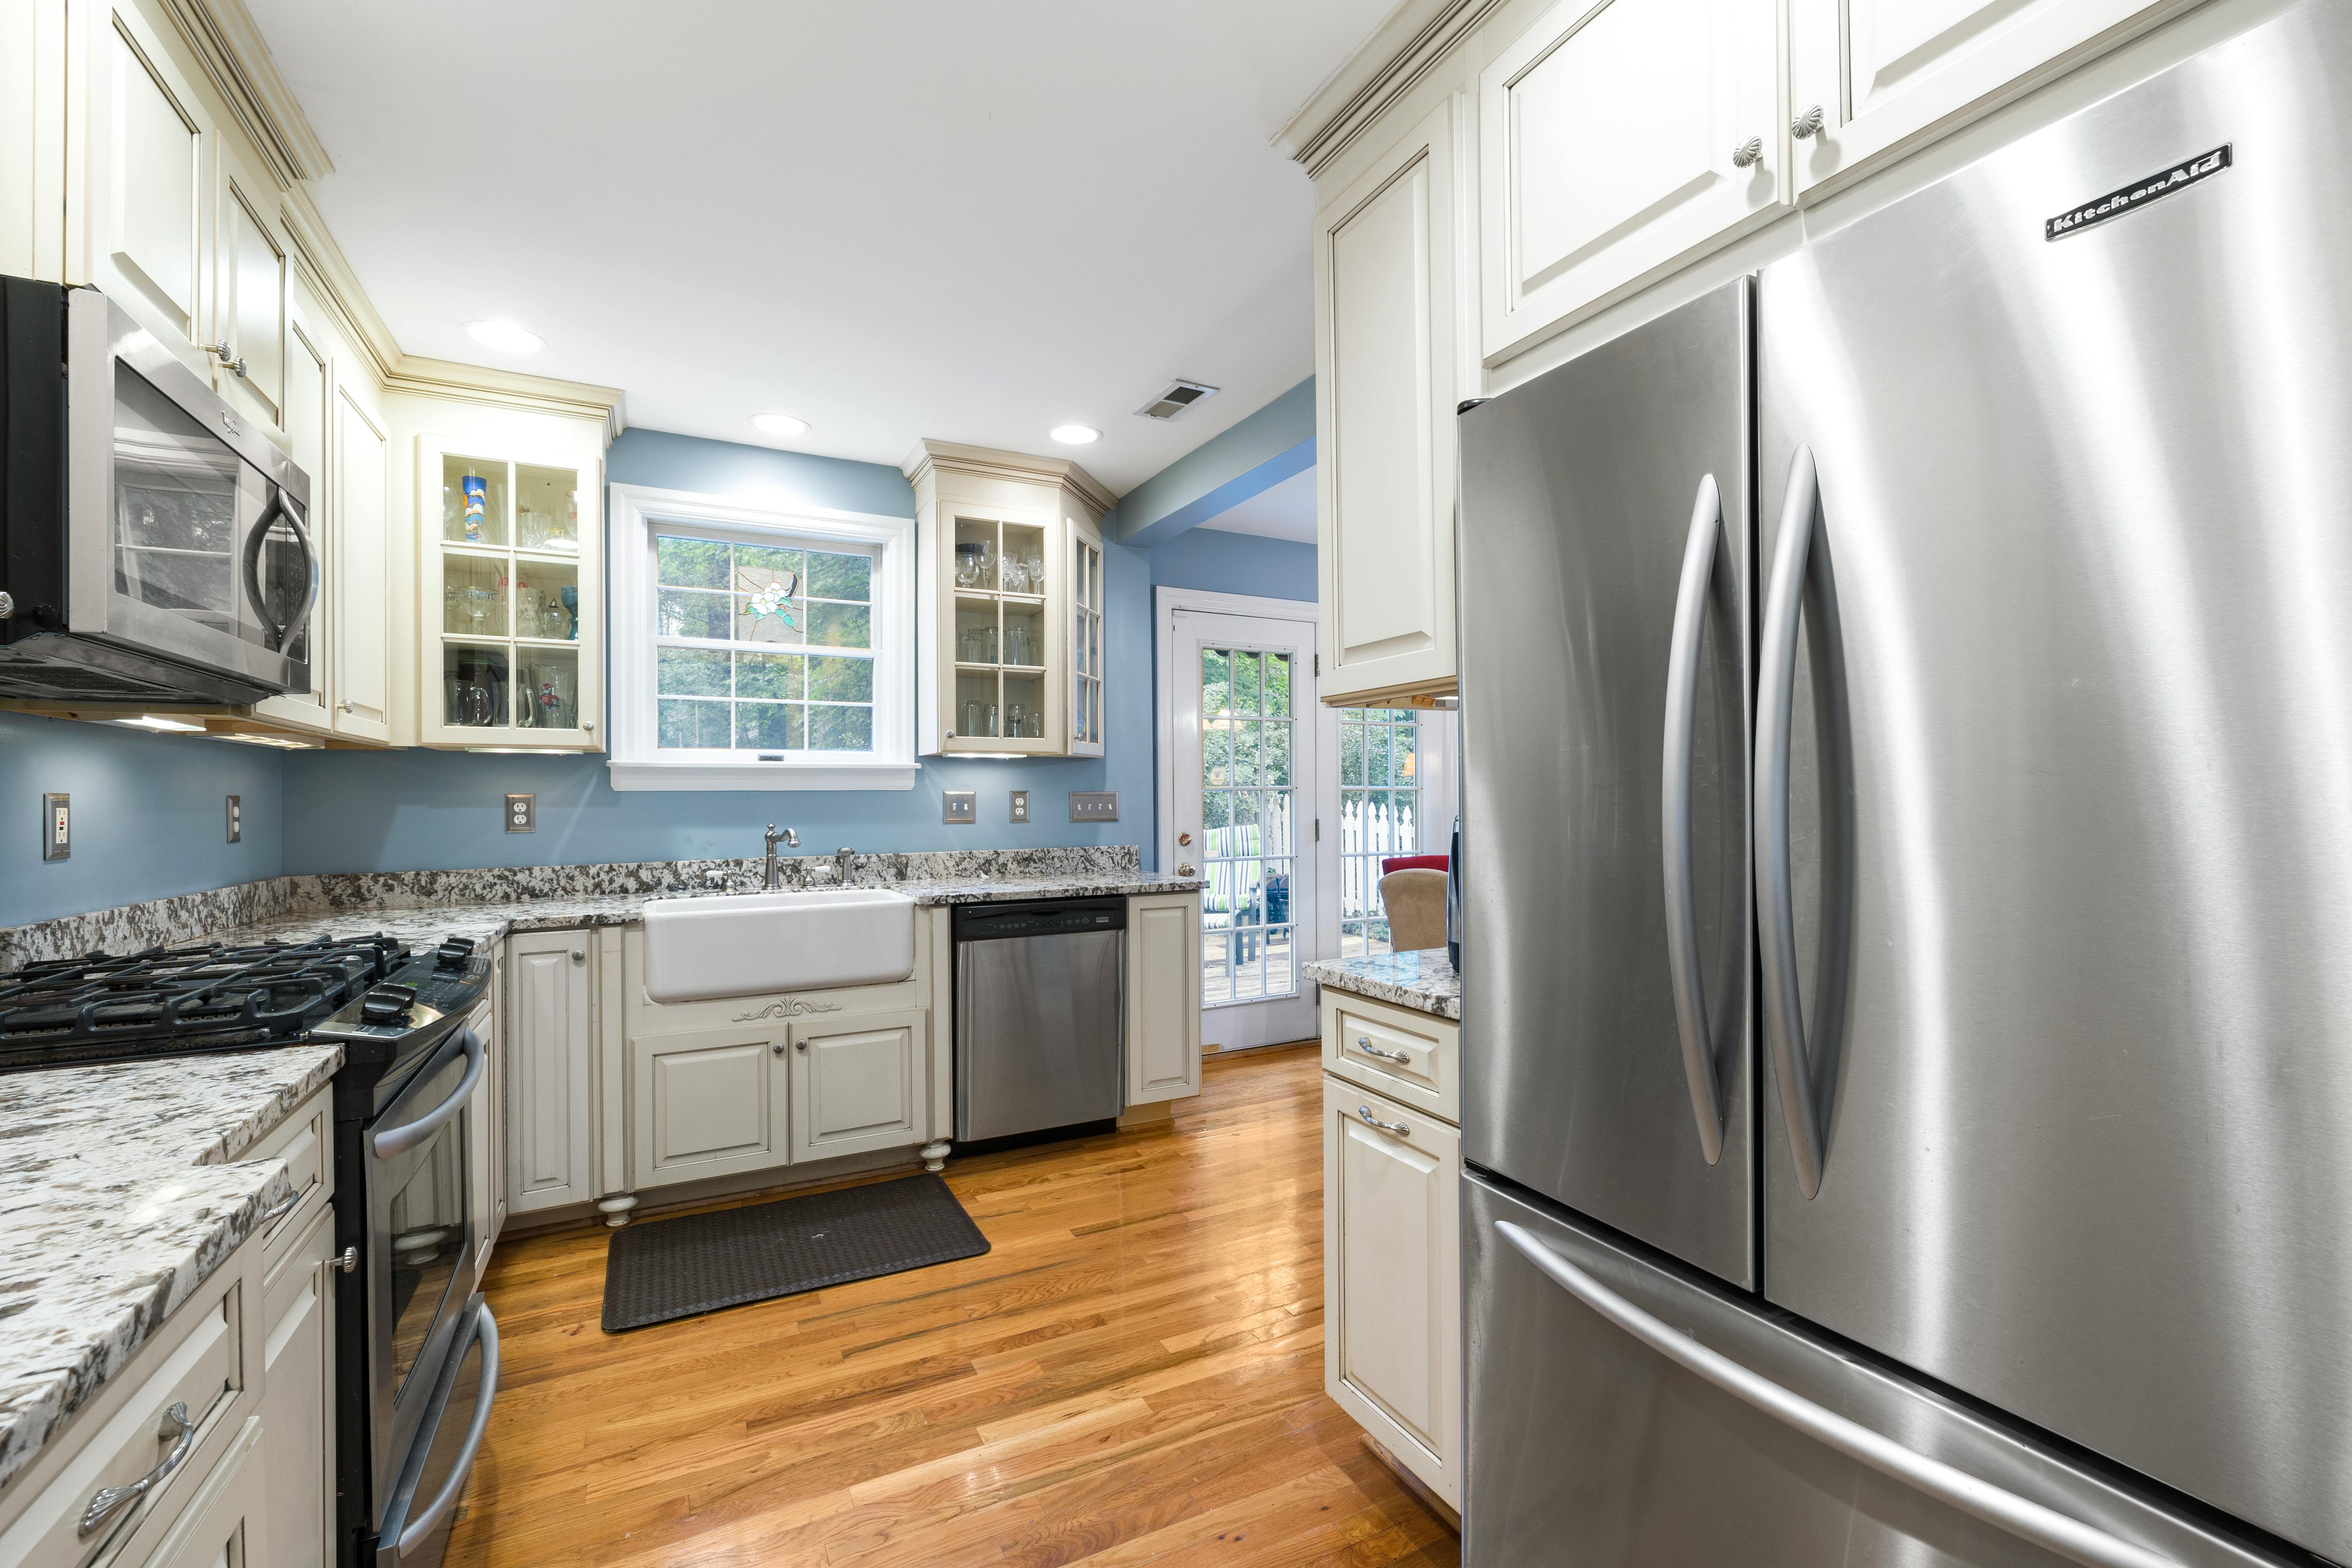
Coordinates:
[1408,46]
[990,463]
[237,58]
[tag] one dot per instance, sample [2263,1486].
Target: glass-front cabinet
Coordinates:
[511,586]
[1009,589]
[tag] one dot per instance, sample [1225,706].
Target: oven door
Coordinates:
[189,535]
[420,1245]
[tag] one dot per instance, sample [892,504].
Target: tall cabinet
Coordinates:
[1009,603]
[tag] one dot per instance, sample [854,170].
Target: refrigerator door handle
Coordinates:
[2021,1517]
[1706,558]
[1801,563]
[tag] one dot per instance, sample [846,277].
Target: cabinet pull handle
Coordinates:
[1749,154]
[280,1210]
[1399,1128]
[349,1262]
[1807,125]
[111,1500]
[1364,1044]
[230,360]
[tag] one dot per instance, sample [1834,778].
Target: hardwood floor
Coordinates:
[1133,1375]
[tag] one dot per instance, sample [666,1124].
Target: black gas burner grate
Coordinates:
[183,998]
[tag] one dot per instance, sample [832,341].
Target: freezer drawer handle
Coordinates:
[1707,559]
[486,1329]
[1399,1128]
[1806,1070]
[2021,1517]
[1364,1044]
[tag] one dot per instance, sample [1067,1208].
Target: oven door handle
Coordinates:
[413,1534]
[400,1140]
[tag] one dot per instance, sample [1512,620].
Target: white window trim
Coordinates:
[636,764]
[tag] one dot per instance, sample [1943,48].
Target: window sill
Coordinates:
[627,776]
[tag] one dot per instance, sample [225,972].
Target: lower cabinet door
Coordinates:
[549,1047]
[297,1429]
[1163,998]
[709,1102]
[223,1527]
[1391,1278]
[855,1084]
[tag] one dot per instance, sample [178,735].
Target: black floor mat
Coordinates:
[666,1268]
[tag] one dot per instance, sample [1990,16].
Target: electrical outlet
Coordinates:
[1094,806]
[235,820]
[1020,805]
[522,813]
[962,805]
[56,827]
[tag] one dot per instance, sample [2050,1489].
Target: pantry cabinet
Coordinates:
[550,1047]
[1385,287]
[510,596]
[1009,603]
[1614,140]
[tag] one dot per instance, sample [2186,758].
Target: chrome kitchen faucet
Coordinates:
[792,841]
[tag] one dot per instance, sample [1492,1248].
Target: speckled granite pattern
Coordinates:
[1422,980]
[134,928]
[118,1199]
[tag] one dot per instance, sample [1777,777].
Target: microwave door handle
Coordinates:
[280,635]
[400,1140]
[2021,1517]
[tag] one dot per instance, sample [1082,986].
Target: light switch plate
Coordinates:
[1020,805]
[235,820]
[522,813]
[962,805]
[56,827]
[1094,806]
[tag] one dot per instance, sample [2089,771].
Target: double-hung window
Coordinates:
[755,650]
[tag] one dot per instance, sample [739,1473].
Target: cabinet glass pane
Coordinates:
[474,500]
[975,554]
[474,597]
[1024,706]
[1024,636]
[547,509]
[548,691]
[476,687]
[1023,570]
[547,600]
[977,641]
[977,710]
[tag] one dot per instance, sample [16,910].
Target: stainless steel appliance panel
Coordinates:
[1584,500]
[2085,1085]
[1588,1444]
[1039,1026]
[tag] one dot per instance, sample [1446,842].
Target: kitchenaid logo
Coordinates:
[2138,193]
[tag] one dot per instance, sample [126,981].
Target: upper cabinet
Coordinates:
[1384,289]
[1870,75]
[147,223]
[510,596]
[1616,138]
[1009,608]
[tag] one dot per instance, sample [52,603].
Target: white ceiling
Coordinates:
[1283,511]
[897,219]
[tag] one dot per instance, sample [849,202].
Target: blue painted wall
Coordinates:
[1258,452]
[149,816]
[1213,560]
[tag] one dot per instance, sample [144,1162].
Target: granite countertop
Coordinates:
[119,1197]
[1420,979]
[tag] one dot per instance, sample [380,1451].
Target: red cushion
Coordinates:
[1415,862]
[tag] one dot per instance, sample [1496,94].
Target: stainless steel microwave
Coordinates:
[154,546]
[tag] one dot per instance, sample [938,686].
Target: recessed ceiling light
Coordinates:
[1076,434]
[505,335]
[781,424]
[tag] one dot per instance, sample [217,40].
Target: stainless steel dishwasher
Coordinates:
[1039,1015]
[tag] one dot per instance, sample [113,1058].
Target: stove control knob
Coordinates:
[387,1004]
[455,953]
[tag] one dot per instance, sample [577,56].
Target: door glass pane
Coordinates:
[176,508]
[1248,815]
[1379,817]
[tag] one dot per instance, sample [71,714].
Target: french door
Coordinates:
[1244,725]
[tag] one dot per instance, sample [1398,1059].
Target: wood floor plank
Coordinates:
[1132,1374]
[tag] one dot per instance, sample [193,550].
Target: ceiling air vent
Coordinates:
[1179,395]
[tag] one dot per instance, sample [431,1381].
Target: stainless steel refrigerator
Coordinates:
[1907,1059]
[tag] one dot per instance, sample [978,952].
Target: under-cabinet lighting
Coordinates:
[1074,435]
[505,335]
[162,726]
[993,756]
[520,750]
[781,424]
[277,743]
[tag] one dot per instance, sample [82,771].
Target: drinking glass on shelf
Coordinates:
[971,716]
[1016,577]
[1033,568]
[530,612]
[1014,714]
[478,603]
[532,530]
[991,719]
[988,645]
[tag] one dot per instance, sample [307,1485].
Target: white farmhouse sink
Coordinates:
[752,944]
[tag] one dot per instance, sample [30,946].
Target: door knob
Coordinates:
[1808,124]
[1184,868]
[1749,154]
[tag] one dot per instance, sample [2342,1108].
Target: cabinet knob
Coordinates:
[778,1048]
[587,724]
[1749,154]
[579,956]
[801,1046]
[344,706]
[1808,124]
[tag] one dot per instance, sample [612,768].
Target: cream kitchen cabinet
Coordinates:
[547,1101]
[226,1525]
[1392,1278]
[1615,140]
[297,1437]
[1872,77]
[1009,606]
[1385,282]
[857,1082]
[1163,998]
[486,1135]
[709,1102]
[510,596]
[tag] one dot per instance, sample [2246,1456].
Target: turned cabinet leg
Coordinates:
[935,1155]
[616,1209]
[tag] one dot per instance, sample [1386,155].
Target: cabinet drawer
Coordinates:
[302,1140]
[1413,1057]
[203,1373]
